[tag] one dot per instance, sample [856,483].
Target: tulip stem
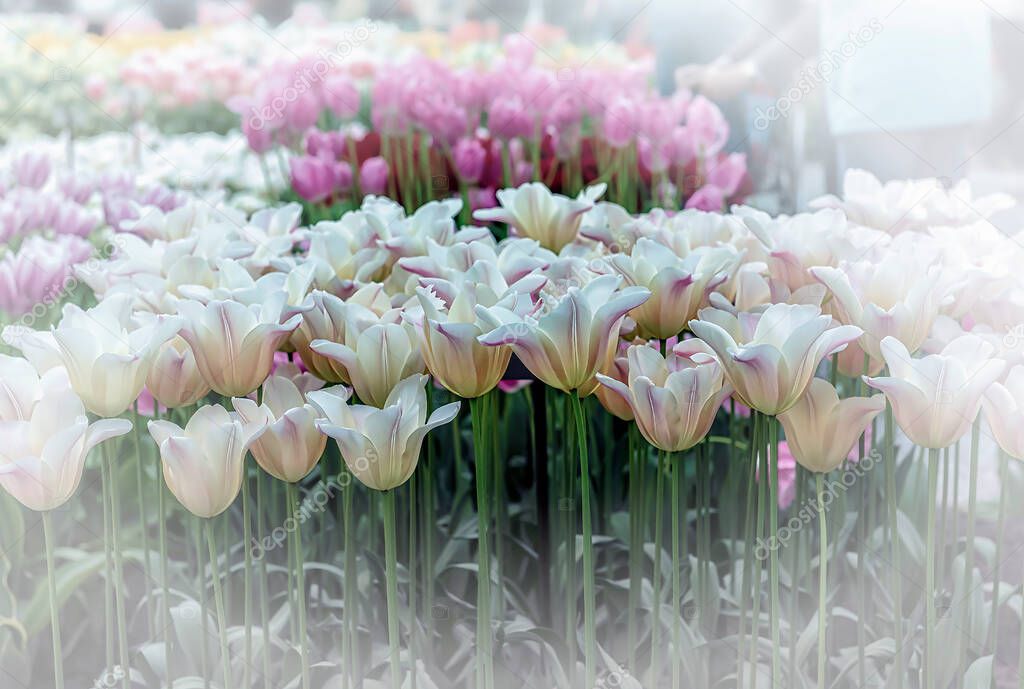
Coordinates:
[659,491]
[351,650]
[677,472]
[143,515]
[204,661]
[929,586]
[481,436]
[161,507]
[773,554]
[247,578]
[218,599]
[748,539]
[589,584]
[264,613]
[635,542]
[1000,524]
[819,481]
[972,499]
[51,580]
[119,588]
[391,574]
[300,578]
[108,587]
[897,548]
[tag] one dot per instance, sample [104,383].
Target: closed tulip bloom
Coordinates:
[679,286]
[107,354]
[44,446]
[291,445]
[381,447]
[821,429]
[203,462]
[234,344]
[449,338]
[612,402]
[1004,411]
[770,357]
[175,380]
[674,399]
[574,339]
[936,398]
[326,317]
[536,212]
[382,355]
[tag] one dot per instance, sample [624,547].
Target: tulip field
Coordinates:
[414,360]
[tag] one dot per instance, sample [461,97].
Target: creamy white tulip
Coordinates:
[203,462]
[770,357]
[821,429]
[936,398]
[291,445]
[43,446]
[381,446]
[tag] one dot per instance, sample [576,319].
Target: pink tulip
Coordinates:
[373,175]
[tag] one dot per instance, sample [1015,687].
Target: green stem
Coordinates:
[264,612]
[247,579]
[161,508]
[773,553]
[143,516]
[481,453]
[391,574]
[351,649]
[972,499]
[51,579]
[589,584]
[659,492]
[108,584]
[635,543]
[411,596]
[677,470]
[762,507]
[204,660]
[1000,524]
[819,480]
[897,548]
[300,579]
[119,587]
[218,599]
[929,585]
[748,557]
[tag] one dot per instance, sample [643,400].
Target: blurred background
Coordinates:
[903,88]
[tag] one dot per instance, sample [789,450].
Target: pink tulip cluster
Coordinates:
[439,130]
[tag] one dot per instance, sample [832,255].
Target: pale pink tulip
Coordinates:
[936,398]
[674,399]
[821,429]
[1004,411]
[175,380]
[770,357]
[533,211]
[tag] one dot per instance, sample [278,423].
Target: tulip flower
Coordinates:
[383,354]
[679,286]
[675,398]
[936,398]
[203,462]
[326,317]
[821,429]
[175,380]
[107,354]
[381,446]
[770,357]
[574,339]
[609,399]
[883,298]
[291,445]
[19,388]
[533,211]
[1004,410]
[234,344]
[44,445]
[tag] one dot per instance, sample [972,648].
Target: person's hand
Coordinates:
[719,80]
